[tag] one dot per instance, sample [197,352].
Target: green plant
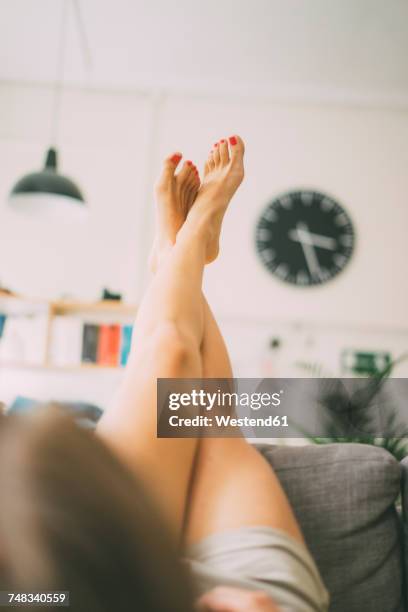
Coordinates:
[364,414]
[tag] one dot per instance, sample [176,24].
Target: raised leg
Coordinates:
[233,486]
[166,344]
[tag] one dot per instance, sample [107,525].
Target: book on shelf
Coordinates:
[23,339]
[3,318]
[126,343]
[109,345]
[66,341]
[90,341]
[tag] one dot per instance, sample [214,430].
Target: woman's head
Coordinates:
[73,518]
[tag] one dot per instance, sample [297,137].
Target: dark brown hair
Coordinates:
[73,518]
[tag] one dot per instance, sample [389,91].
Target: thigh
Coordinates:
[234,487]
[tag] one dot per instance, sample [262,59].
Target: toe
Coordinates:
[196,180]
[224,152]
[216,154]
[185,181]
[185,171]
[211,162]
[190,177]
[191,189]
[237,147]
[171,162]
[169,167]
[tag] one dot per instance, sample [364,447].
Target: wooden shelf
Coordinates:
[23,306]
[106,306]
[70,306]
[16,365]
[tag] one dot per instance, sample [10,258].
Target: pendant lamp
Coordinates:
[47,192]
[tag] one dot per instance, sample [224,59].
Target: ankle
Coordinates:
[159,253]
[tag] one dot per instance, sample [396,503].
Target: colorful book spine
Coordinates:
[109,345]
[125,344]
[3,318]
[90,341]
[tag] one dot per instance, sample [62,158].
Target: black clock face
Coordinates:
[305,238]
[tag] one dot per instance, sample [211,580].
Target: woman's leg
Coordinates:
[232,484]
[168,334]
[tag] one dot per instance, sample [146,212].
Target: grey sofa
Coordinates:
[347,500]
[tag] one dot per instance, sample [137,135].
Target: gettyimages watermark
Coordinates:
[282,407]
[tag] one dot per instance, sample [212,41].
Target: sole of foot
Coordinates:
[174,195]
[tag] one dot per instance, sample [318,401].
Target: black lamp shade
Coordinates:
[45,189]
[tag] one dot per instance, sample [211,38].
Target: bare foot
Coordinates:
[223,174]
[175,194]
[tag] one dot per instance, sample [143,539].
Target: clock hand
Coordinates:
[308,250]
[311,260]
[323,242]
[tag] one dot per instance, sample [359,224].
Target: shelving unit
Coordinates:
[107,310]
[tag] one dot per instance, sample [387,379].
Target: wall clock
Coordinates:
[305,238]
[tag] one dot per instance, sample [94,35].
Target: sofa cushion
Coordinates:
[404,499]
[344,498]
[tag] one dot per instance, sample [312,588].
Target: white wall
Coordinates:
[112,144]
[360,157]
[105,148]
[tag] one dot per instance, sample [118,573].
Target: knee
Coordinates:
[172,345]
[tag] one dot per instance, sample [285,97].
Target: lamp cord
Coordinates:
[61,58]
[83,39]
[59,77]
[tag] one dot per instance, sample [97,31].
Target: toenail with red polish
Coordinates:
[176,158]
[233,140]
[222,140]
[216,144]
[189,163]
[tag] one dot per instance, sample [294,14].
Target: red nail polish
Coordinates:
[189,163]
[216,144]
[233,140]
[176,158]
[222,140]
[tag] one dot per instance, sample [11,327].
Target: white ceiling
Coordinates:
[324,48]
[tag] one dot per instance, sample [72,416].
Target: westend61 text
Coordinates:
[228,421]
